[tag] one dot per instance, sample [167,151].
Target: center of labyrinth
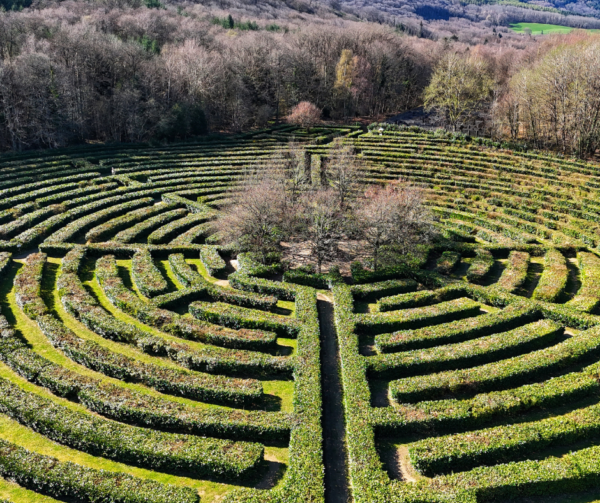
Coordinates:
[140,361]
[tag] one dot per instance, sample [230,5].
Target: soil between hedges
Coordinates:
[334,446]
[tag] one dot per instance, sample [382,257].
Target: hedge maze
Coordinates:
[138,365]
[481,382]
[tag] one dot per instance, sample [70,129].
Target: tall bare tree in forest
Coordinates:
[459,84]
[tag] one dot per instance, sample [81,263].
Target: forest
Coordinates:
[126,71]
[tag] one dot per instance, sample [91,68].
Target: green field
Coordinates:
[543,29]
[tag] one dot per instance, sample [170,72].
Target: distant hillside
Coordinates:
[452,16]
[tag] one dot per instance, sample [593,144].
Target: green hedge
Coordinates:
[60,479]
[303,480]
[417,317]
[129,444]
[459,330]
[136,231]
[80,225]
[184,273]
[146,276]
[575,472]
[480,265]
[503,444]
[588,296]
[140,409]
[208,358]
[212,260]
[475,352]
[447,262]
[372,291]
[515,272]
[102,231]
[419,298]
[482,408]
[92,355]
[553,279]
[510,372]
[239,317]
[174,228]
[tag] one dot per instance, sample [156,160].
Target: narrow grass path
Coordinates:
[334,445]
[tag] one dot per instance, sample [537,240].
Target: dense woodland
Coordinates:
[120,71]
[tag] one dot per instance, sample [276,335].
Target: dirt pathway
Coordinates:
[336,470]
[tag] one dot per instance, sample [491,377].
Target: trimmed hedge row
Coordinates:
[129,444]
[475,352]
[184,273]
[419,298]
[102,231]
[132,233]
[483,408]
[191,278]
[126,405]
[503,444]
[513,371]
[368,481]
[371,291]
[77,227]
[146,276]
[239,317]
[168,231]
[417,317]
[194,235]
[575,472]
[212,260]
[480,266]
[515,273]
[122,404]
[588,296]
[447,262]
[50,476]
[553,279]
[94,356]
[456,331]
[303,480]
[208,358]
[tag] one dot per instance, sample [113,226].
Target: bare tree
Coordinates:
[321,225]
[392,217]
[344,171]
[459,84]
[290,167]
[259,219]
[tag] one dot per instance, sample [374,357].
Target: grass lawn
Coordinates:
[542,29]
